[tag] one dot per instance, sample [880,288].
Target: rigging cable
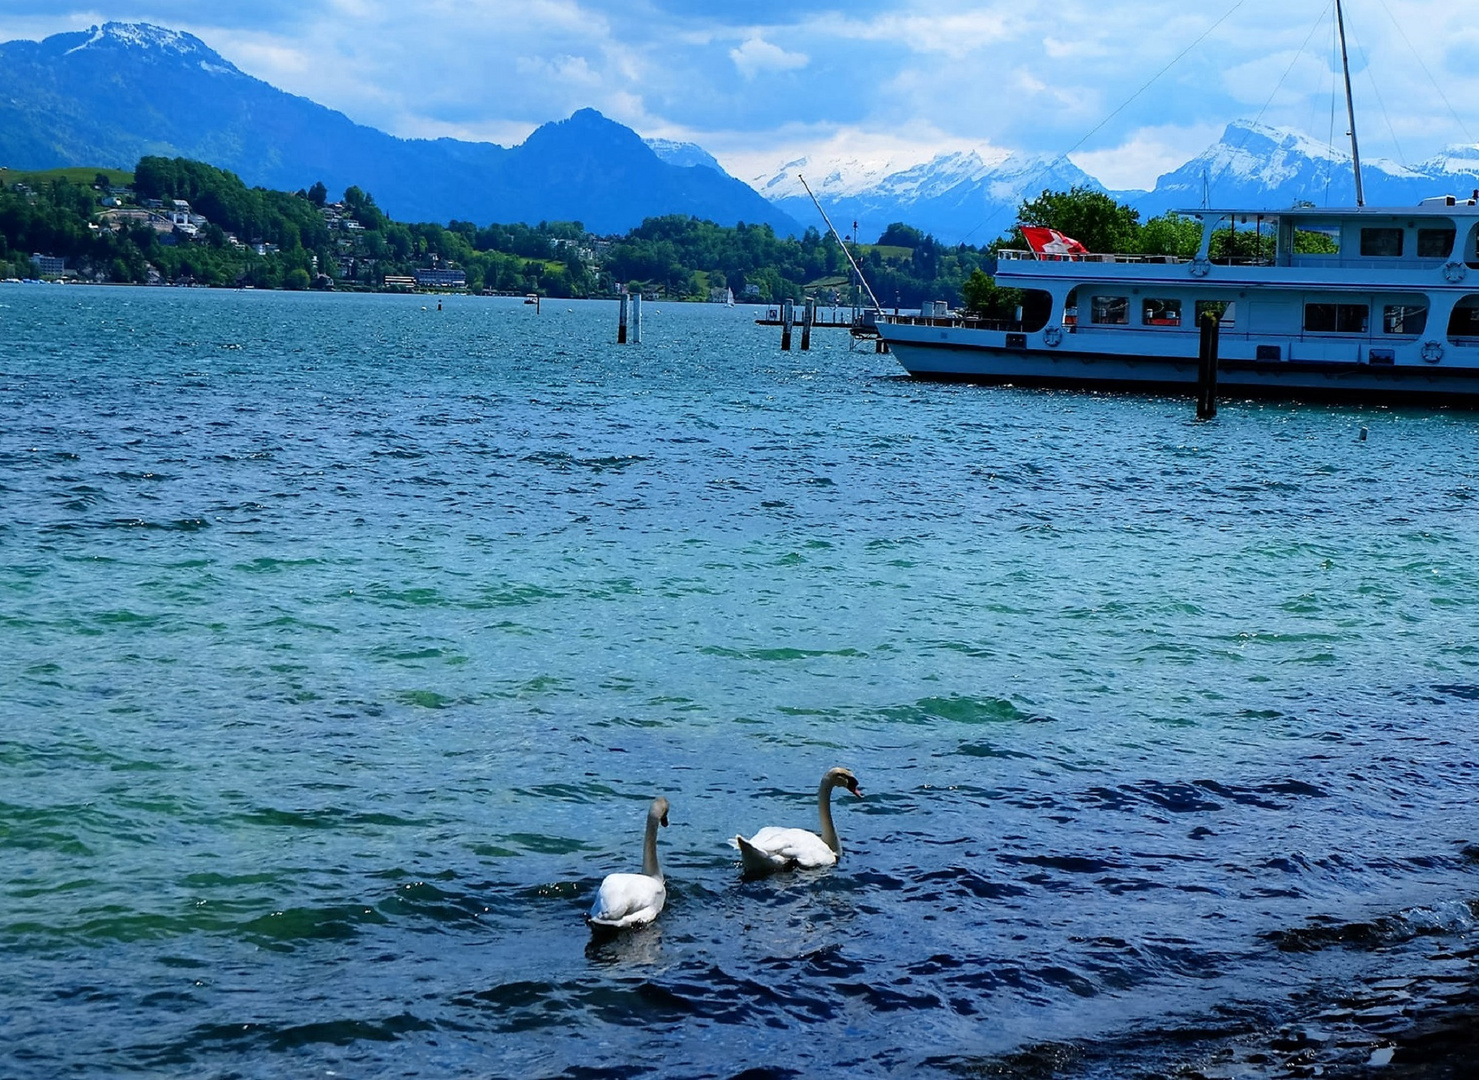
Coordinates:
[1152,80]
[1124,104]
[1451,111]
[1277,86]
[1380,101]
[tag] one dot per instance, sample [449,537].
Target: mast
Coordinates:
[1350,105]
[854,263]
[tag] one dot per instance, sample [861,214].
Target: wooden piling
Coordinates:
[637,318]
[788,318]
[1207,368]
[808,316]
[621,325]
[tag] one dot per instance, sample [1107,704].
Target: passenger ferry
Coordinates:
[1355,303]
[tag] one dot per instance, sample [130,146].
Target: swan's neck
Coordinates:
[824,810]
[649,849]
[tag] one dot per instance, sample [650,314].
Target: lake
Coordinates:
[345,639]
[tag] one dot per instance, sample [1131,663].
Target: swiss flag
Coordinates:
[1051,242]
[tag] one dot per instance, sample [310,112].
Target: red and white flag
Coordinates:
[1045,241]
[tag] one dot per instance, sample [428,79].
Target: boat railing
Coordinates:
[968,322]
[1015,255]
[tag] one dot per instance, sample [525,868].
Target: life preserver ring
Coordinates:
[1454,271]
[1432,351]
[1199,267]
[1052,337]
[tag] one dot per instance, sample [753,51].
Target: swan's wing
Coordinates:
[793,847]
[757,860]
[628,900]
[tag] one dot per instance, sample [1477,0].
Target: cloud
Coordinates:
[758,57]
[935,75]
[1136,163]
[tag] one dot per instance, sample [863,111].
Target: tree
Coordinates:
[1171,234]
[900,235]
[297,278]
[985,299]
[318,194]
[1090,217]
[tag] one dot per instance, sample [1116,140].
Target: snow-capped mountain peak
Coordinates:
[685,154]
[143,39]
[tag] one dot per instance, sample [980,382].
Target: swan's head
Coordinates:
[659,810]
[841,777]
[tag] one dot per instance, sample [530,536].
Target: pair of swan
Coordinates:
[630,900]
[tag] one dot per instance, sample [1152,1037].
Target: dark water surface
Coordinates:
[344,641]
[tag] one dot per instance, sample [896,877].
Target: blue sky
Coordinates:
[761,82]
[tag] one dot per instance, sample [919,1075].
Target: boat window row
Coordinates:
[1387,243]
[1115,311]
[1310,242]
[1401,318]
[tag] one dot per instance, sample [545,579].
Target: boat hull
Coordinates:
[981,356]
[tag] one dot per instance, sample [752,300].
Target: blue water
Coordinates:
[344,641]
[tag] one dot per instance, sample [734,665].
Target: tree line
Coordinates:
[275,239]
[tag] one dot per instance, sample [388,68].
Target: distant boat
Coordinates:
[729,297]
[531,298]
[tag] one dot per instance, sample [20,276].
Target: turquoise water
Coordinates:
[344,641]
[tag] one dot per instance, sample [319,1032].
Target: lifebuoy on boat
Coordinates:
[1200,267]
[1454,271]
[1432,351]
[1052,337]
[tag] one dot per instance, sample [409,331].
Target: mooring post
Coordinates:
[621,325]
[808,314]
[788,318]
[637,318]
[1207,368]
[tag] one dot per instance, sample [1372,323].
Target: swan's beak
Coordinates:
[664,821]
[856,791]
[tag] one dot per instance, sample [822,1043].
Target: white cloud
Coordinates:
[757,57]
[1135,163]
[922,76]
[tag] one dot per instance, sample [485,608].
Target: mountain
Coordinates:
[110,95]
[961,197]
[685,154]
[1261,167]
[956,197]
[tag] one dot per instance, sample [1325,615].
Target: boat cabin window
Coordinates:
[1464,322]
[1317,240]
[1111,310]
[1384,243]
[1225,311]
[1161,313]
[1404,318]
[1336,318]
[1435,243]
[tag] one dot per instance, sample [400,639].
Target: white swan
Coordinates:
[773,849]
[634,899]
